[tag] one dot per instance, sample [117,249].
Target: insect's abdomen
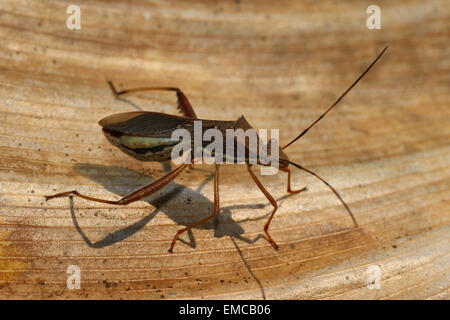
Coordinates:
[143,148]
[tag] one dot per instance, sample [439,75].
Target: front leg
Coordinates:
[289,190]
[271,200]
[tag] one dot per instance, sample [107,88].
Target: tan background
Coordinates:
[385,149]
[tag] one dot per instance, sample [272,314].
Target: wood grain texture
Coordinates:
[280,63]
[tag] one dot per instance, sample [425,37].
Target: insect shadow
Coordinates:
[223,224]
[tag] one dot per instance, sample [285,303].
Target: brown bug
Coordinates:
[146,136]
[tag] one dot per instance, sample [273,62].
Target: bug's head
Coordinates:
[283,159]
[270,156]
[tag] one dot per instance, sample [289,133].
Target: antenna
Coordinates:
[329,186]
[337,101]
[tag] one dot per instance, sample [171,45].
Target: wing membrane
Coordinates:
[142,123]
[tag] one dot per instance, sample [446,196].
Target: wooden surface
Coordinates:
[385,149]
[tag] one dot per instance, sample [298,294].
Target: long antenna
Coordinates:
[337,101]
[332,189]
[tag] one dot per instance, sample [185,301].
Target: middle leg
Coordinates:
[215,213]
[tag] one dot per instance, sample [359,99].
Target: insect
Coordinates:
[146,136]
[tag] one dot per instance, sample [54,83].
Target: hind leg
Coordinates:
[183,103]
